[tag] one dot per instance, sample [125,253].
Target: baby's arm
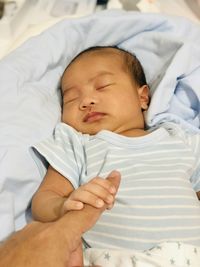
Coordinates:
[48,200]
[56,196]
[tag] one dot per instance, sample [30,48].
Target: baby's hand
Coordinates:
[96,193]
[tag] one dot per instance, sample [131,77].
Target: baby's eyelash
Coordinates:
[104,86]
[101,87]
[70,100]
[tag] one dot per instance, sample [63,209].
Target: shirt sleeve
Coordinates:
[64,152]
[194,143]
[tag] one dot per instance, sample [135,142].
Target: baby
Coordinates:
[105,95]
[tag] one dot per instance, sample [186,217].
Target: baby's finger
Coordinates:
[88,197]
[110,206]
[106,184]
[98,191]
[72,205]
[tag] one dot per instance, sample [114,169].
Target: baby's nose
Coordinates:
[87,102]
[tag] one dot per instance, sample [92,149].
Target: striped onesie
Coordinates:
[156,201]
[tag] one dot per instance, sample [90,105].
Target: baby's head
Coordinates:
[104,88]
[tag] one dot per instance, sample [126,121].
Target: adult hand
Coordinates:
[50,244]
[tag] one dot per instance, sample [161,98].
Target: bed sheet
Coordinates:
[30,75]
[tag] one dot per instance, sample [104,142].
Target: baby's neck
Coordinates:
[134,132]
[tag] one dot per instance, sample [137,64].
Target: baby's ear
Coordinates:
[144,96]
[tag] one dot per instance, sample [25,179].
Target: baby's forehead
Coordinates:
[108,52]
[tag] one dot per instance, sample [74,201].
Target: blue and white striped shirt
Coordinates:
[156,201]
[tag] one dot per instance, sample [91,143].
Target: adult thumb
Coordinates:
[115,178]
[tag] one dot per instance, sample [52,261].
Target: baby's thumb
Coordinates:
[115,177]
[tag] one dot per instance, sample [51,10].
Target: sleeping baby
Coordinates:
[105,97]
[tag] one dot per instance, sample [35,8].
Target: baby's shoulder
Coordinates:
[188,137]
[175,129]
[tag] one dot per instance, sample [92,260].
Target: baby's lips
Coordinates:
[93,116]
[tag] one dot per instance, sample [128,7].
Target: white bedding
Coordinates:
[168,48]
[166,254]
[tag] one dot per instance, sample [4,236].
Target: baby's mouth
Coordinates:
[93,116]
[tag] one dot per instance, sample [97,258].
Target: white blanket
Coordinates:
[168,254]
[168,48]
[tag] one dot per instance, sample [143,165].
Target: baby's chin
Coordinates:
[91,130]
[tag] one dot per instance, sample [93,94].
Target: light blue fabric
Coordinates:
[178,94]
[156,200]
[168,48]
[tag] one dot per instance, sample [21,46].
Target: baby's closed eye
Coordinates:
[104,86]
[70,96]
[70,100]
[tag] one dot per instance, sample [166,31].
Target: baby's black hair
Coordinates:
[132,63]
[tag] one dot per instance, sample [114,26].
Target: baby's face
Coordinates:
[99,94]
